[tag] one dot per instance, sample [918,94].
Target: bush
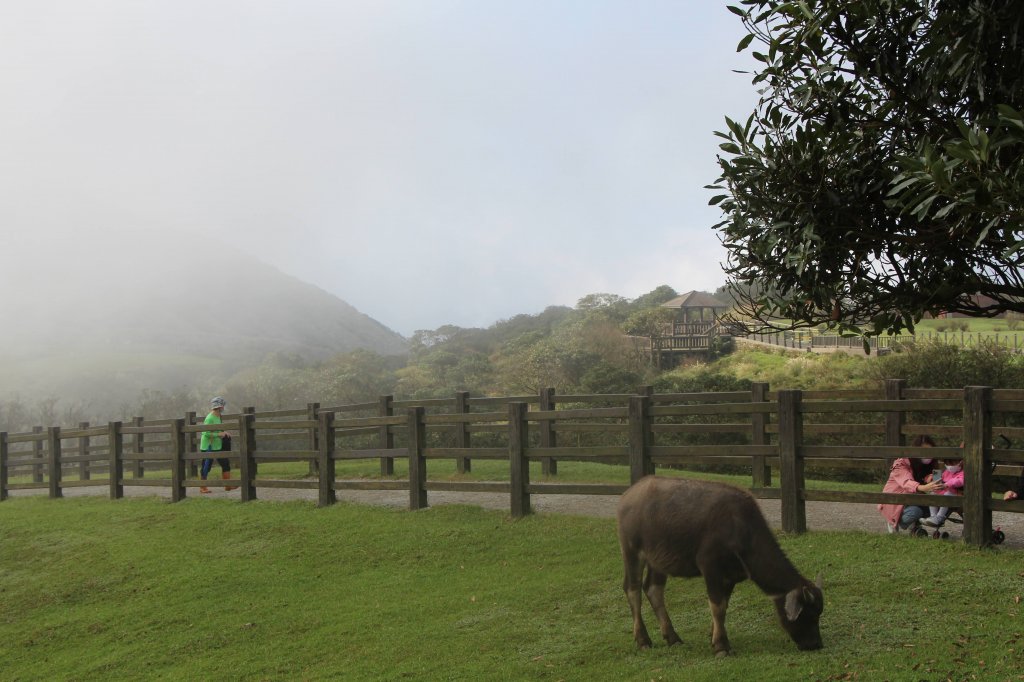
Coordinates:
[953,325]
[935,364]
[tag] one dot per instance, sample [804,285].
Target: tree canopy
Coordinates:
[880,176]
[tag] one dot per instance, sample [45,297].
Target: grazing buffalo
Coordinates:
[679,527]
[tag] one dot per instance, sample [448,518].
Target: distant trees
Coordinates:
[18,415]
[586,349]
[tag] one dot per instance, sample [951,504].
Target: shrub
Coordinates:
[935,364]
[953,325]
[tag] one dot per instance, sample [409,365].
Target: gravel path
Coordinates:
[820,515]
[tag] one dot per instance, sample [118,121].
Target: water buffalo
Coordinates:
[687,528]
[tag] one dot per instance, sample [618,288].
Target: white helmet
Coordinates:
[218,402]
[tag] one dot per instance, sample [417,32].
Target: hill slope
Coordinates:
[160,318]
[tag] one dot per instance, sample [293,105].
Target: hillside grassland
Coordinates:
[213,589]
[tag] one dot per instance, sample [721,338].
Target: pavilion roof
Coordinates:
[695,299]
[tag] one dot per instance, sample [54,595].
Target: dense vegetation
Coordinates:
[879,177]
[585,349]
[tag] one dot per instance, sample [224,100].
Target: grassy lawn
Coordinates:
[491,470]
[213,589]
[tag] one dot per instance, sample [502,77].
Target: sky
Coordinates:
[430,162]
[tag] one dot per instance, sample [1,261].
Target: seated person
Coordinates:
[909,475]
[952,477]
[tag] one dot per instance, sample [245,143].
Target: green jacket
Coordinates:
[210,440]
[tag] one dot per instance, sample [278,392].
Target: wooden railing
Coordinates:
[685,336]
[779,430]
[807,339]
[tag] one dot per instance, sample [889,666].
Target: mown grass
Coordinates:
[490,470]
[213,589]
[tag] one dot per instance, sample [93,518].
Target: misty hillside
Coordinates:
[98,321]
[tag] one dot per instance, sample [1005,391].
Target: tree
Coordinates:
[881,176]
[654,298]
[650,322]
[608,306]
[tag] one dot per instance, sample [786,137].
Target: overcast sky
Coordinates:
[430,162]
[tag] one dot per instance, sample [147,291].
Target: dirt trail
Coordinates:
[820,515]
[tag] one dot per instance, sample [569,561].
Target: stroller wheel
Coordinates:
[998,537]
[920,532]
[945,535]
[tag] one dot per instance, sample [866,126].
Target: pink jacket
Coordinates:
[954,482]
[901,480]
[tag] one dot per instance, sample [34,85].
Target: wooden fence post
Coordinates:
[4,471]
[37,454]
[138,447]
[548,465]
[463,465]
[648,391]
[518,463]
[115,450]
[325,450]
[53,460]
[83,451]
[791,469]
[254,469]
[247,468]
[191,446]
[385,408]
[417,462]
[640,463]
[977,472]
[762,471]
[178,470]
[313,437]
[894,420]
[313,414]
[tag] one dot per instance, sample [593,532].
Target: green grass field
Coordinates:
[487,470]
[92,589]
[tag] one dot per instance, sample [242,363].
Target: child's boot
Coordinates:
[203,489]
[227,477]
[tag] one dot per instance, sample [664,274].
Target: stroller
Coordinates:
[955,516]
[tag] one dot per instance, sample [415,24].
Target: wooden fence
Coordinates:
[781,431]
[811,340]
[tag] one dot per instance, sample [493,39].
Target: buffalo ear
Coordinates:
[794,604]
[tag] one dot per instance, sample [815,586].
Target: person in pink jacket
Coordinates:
[952,477]
[909,475]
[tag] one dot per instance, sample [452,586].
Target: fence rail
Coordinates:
[760,429]
[809,340]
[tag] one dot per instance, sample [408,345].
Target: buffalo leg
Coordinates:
[634,568]
[718,599]
[654,587]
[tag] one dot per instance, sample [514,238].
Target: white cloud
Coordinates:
[429,162]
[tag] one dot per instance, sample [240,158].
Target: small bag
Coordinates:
[225,443]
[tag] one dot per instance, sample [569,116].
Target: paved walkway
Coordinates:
[820,515]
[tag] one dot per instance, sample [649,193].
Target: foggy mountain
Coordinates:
[102,320]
